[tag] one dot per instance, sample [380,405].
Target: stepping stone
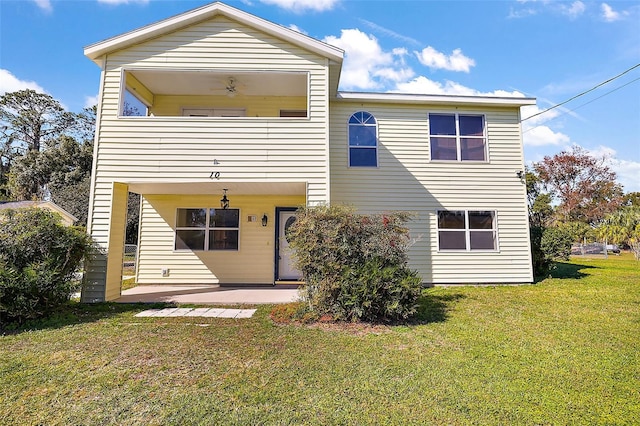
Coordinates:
[147,313]
[245,313]
[165,312]
[198,312]
[213,313]
[228,313]
[180,312]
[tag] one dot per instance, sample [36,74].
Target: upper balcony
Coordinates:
[188,93]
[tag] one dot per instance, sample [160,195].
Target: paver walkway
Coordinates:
[198,312]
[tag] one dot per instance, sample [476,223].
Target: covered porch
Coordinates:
[191,244]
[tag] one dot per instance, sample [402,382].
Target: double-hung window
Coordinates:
[363,140]
[457,137]
[464,230]
[200,229]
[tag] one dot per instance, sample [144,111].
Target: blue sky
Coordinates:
[551,50]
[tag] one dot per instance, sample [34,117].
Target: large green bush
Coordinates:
[355,266]
[38,259]
[549,245]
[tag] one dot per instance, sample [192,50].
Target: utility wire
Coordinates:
[583,93]
[586,103]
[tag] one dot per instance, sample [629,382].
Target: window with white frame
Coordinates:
[363,140]
[200,229]
[457,137]
[466,230]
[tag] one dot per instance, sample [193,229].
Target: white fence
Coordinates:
[130,255]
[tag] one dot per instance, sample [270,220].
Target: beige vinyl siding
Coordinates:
[255,106]
[182,149]
[253,263]
[102,280]
[405,179]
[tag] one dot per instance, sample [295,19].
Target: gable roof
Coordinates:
[4,205]
[97,50]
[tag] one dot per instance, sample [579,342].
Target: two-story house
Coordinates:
[239,121]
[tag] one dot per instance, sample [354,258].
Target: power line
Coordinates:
[586,103]
[582,94]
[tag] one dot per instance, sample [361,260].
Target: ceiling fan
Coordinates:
[230,87]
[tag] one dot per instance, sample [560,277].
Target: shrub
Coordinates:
[38,259]
[355,266]
[549,245]
[556,243]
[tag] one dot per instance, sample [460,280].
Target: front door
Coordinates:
[286,270]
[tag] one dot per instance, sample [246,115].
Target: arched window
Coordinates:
[363,140]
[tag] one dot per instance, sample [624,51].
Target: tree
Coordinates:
[539,203]
[623,227]
[133,218]
[584,186]
[631,199]
[32,120]
[84,129]
[39,175]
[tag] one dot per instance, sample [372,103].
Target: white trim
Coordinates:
[467,232]
[458,136]
[434,99]
[139,240]
[96,138]
[207,229]
[194,16]
[327,133]
[365,146]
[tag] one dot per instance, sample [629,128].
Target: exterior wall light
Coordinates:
[265,220]
[224,201]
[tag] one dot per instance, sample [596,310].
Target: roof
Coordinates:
[397,98]
[97,50]
[4,205]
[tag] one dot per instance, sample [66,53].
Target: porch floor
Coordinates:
[208,295]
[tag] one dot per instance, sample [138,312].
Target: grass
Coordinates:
[564,351]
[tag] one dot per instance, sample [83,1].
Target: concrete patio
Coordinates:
[208,295]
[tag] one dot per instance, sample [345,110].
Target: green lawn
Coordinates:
[564,351]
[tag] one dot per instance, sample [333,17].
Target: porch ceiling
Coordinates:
[216,83]
[238,188]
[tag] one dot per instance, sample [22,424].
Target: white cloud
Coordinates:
[423,85]
[10,83]
[366,64]
[523,13]
[294,27]
[529,111]
[303,5]
[389,32]
[610,15]
[118,2]
[90,101]
[576,9]
[543,135]
[534,133]
[44,5]
[457,61]
[627,171]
